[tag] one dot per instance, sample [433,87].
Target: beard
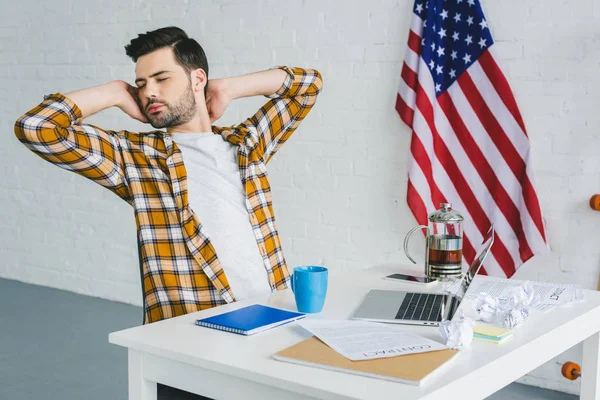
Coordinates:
[180,112]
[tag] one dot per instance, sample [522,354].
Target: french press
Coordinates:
[443,244]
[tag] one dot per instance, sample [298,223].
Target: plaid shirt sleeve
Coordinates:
[52,130]
[275,122]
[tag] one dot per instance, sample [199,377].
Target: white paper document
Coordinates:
[361,340]
[549,295]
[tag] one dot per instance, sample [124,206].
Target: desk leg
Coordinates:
[139,388]
[590,384]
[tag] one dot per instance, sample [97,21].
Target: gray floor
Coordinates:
[54,345]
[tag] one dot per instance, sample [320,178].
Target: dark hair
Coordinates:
[188,53]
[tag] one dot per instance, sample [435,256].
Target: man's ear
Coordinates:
[199,80]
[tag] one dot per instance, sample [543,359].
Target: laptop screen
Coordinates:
[488,240]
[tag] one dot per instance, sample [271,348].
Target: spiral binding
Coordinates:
[221,327]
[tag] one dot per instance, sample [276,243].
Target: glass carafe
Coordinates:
[443,252]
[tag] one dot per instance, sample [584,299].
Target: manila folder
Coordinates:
[410,368]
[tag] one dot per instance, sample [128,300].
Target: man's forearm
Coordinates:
[96,98]
[263,83]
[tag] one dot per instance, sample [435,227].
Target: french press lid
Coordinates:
[445,214]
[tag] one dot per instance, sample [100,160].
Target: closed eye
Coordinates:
[164,79]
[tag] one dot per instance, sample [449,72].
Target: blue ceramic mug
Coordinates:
[309,285]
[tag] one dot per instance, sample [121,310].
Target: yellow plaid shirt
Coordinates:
[180,269]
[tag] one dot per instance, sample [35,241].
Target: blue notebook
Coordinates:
[250,320]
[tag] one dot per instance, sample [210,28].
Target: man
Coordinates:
[200,193]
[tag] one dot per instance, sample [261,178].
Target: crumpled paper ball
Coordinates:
[457,333]
[486,307]
[511,310]
[522,297]
[514,318]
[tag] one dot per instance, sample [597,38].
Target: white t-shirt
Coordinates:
[217,197]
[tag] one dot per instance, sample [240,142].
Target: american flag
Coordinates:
[469,146]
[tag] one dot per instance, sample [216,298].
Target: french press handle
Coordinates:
[407,238]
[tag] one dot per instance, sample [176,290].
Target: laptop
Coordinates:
[421,308]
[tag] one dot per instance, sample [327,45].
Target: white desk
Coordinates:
[223,365]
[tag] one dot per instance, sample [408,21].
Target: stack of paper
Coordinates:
[491,334]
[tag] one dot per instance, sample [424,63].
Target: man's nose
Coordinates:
[151,92]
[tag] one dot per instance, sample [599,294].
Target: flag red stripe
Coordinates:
[410,77]
[533,206]
[485,171]
[406,113]
[414,42]
[460,184]
[416,204]
[422,158]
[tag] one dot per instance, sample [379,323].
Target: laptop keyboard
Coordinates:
[421,307]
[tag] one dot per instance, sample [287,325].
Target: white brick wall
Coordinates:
[339,184]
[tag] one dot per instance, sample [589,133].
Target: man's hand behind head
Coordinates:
[129,101]
[217,98]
